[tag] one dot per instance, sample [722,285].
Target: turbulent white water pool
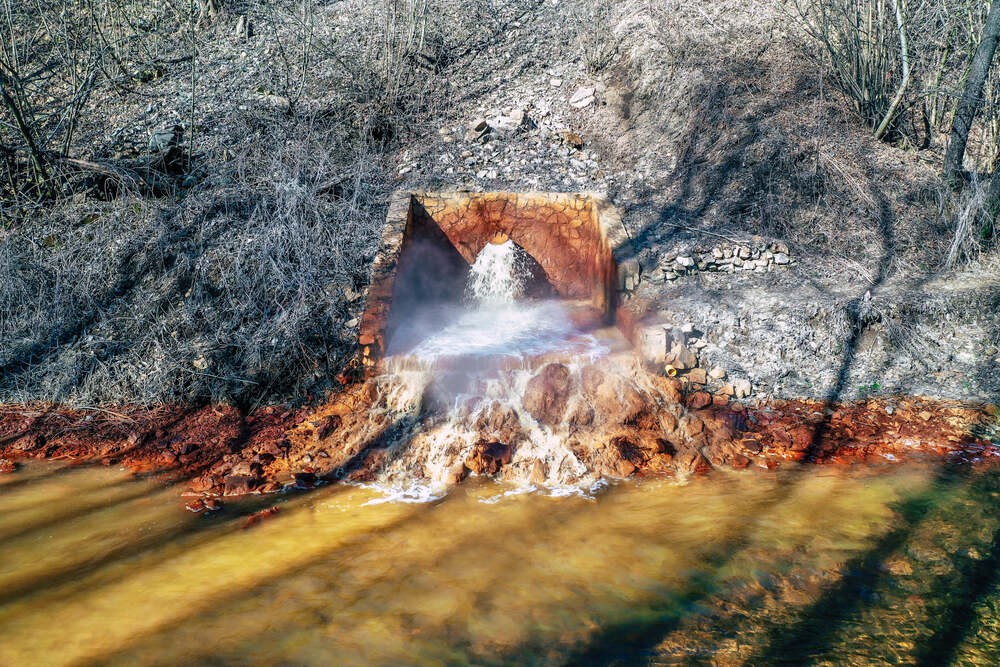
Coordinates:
[498,330]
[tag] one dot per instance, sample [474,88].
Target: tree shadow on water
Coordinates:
[636,641]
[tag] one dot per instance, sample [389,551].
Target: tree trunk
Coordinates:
[41,173]
[972,96]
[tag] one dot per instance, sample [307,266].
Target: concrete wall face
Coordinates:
[572,236]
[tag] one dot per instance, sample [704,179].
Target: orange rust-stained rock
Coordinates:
[488,457]
[698,400]
[221,451]
[547,394]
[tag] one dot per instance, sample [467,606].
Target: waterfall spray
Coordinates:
[498,275]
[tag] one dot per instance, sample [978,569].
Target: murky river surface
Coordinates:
[819,565]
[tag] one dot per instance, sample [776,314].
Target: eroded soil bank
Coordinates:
[224,453]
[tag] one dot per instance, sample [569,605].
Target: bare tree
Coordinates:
[972,97]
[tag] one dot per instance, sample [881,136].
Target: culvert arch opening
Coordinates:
[566,241]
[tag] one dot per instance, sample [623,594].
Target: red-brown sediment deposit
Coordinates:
[221,452]
[617,419]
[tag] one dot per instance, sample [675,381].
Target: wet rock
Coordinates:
[581,415]
[499,422]
[740,462]
[238,485]
[7,466]
[690,426]
[488,457]
[257,517]
[691,461]
[539,473]
[272,486]
[613,460]
[547,394]
[668,422]
[722,448]
[327,426]
[698,400]
[195,506]
[457,473]
[305,479]
[629,406]
[203,483]
[801,438]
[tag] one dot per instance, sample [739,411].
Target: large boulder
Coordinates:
[547,394]
[499,422]
[615,399]
[488,457]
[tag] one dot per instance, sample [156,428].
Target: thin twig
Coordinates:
[110,412]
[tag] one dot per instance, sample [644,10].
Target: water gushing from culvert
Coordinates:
[455,379]
[498,275]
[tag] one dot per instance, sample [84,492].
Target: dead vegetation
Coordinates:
[197,219]
[208,179]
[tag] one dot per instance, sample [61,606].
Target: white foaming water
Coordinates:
[498,275]
[466,358]
[495,322]
[493,329]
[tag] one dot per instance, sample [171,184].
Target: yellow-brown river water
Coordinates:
[894,565]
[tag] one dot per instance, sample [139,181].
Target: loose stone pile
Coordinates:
[534,140]
[756,255]
[676,350]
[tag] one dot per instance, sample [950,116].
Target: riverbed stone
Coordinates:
[238,485]
[488,457]
[547,394]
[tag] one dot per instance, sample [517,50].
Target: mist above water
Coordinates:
[495,320]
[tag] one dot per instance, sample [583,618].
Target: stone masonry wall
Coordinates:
[574,237]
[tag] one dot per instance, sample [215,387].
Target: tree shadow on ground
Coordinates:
[135,646]
[634,642]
